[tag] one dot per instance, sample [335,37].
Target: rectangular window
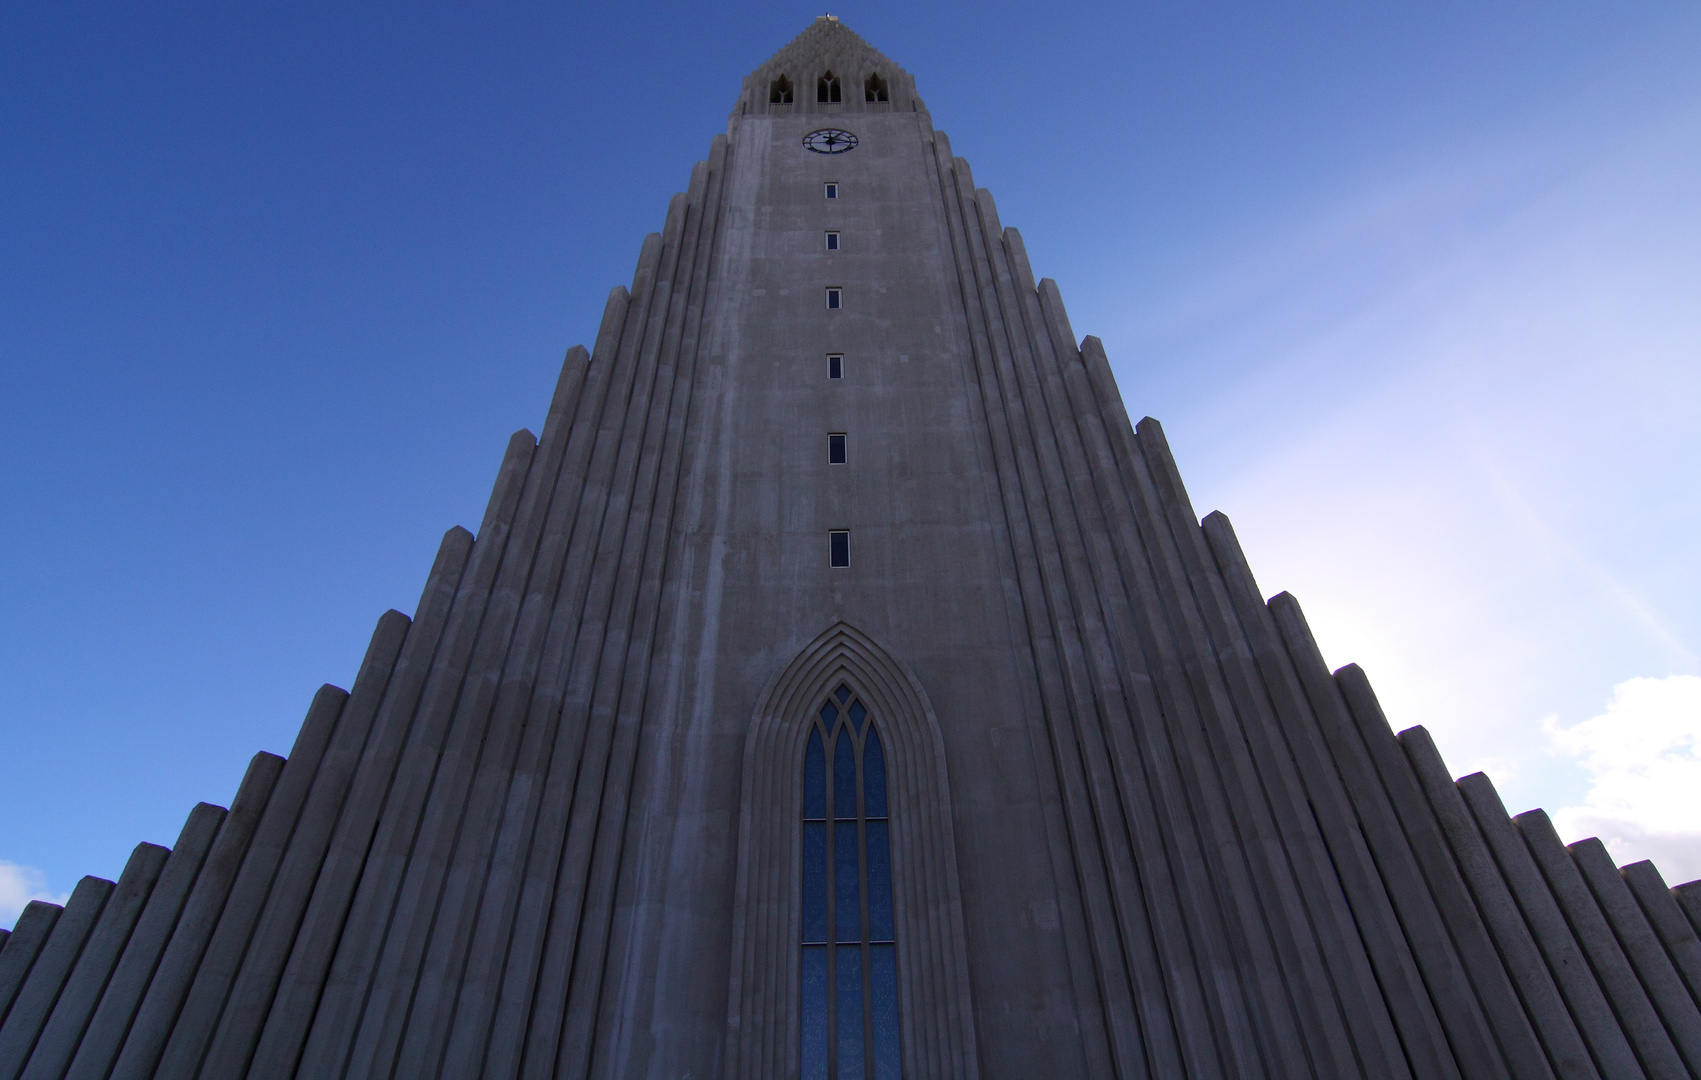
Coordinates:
[835,299]
[832,241]
[835,365]
[836,449]
[838,544]
[832,191]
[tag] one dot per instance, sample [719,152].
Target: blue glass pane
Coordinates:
[879,882]
[844,777]
[815,1012]
[850,1012]
[815,881]
[828,714]
[814,779]
[873,776]
[884,978]
[857,712]
[847,901]
[842,693]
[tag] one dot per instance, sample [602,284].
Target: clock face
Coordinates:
[830,141]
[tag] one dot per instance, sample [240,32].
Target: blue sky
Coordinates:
[1415,289]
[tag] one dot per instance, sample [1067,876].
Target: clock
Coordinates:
[830,141]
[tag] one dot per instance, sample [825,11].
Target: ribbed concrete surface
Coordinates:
[1140,829]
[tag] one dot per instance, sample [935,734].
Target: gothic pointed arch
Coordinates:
[827,88]
[764,997]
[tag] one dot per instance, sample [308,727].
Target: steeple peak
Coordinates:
[828,68]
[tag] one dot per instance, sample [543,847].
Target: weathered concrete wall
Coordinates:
[1140,829]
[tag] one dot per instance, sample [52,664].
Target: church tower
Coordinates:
[840,687]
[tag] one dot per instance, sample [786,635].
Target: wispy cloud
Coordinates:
[1643,758]
[1473,474]
[18,886]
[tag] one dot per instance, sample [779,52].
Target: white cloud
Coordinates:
[1643,758]
[18,886]
[1469,468]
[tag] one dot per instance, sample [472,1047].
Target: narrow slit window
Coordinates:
[835,299]
[838,547]
[779,91]
[827,89]
[837,453]
[849,972]
[832,241]
[835,365]
[832,191]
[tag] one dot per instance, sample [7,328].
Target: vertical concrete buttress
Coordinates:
[1138,828]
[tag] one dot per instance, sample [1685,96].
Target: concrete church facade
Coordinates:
[841,686]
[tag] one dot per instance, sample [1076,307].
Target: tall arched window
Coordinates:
[850,971]
[779,91]
[875,88]
[827,88]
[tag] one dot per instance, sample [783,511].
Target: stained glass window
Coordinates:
[850,970]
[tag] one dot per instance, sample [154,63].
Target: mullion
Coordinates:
[830,748]
[862,900]
[848,1027]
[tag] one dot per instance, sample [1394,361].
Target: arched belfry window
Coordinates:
[849,971]
[827,88]
[875,88]
[779,91]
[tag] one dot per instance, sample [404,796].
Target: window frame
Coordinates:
[835,297]
[834,538]
[867,1041]
[832,238]
[835,365]
[838,442]
[830,189]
